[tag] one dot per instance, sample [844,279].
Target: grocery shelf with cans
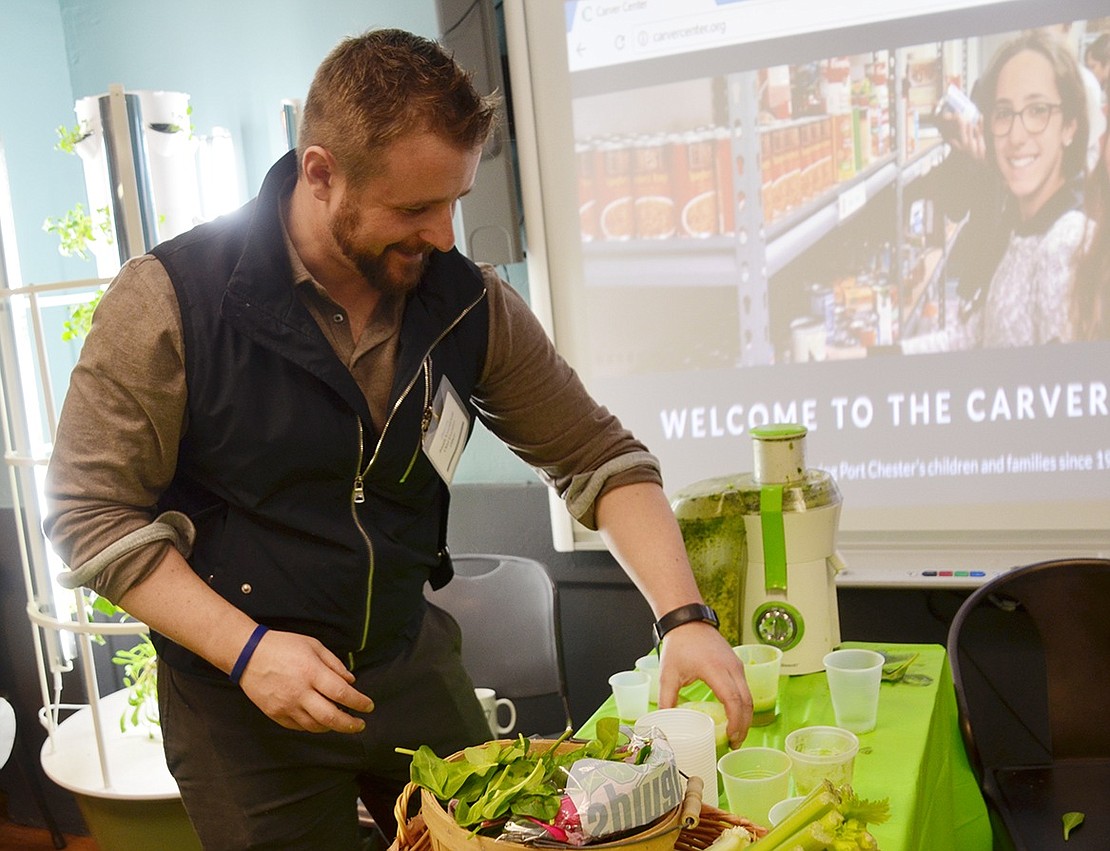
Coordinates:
[792,155]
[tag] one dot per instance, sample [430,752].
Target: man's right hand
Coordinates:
[292,678]
[302,685]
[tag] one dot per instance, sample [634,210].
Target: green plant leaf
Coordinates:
[140,677]
[863,810]
[74,231]
[77,327]
[522,776]
[104,606]
[544,807]
[895,666]
[446,779]
[1072,821]
[70,137]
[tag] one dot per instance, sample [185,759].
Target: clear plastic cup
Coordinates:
[854,676]
[649,664]
[821,753]
[762,665]
[755,779]
[783,808]
[630,691]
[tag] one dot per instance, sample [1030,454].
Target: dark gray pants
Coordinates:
[248,783]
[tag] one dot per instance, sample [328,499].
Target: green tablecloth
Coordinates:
[914,757]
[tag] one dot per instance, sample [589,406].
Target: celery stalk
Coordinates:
[815,836]
[818,803]
[829,822]
[807,839]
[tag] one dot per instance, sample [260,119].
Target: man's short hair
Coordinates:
[383,85]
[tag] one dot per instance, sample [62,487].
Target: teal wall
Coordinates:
[237,59]
[35,97]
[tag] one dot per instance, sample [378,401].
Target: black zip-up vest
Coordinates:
[309,519]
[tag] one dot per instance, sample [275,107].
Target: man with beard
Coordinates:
[248,460]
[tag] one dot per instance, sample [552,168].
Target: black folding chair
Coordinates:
[1030,656]
[508,610]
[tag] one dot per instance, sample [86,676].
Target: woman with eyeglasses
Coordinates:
[1036,135]
[1035,130]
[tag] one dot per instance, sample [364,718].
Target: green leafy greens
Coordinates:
[1071,821]
[521,777]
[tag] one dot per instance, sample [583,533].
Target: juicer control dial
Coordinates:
[778,624]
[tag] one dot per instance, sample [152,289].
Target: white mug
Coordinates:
[491,703]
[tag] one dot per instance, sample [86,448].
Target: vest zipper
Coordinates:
[425,418]
[358,495]
[412,381]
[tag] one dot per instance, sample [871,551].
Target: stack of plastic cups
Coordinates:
[649,664]
[691,736]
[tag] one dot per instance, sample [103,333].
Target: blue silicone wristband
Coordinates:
[247,652]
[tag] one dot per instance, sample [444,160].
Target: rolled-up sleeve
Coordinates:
[532,399]
[120,426]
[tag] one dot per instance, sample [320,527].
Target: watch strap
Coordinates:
[684,614]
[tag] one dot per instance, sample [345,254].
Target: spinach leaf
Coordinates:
[1071,821]
[522,777]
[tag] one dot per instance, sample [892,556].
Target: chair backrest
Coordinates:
[1029,652]
[508,610]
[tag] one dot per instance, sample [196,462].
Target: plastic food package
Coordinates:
[614,797]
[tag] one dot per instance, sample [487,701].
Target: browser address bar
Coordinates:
[604,34]
[679,35]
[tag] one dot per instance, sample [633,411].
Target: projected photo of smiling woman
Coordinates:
[1090,310]
[1036,130]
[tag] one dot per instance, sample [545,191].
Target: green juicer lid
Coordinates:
[780,431]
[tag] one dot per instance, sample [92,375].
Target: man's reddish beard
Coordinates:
[373,266]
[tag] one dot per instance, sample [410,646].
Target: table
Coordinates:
[914,757]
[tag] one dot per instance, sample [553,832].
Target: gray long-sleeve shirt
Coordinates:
[125,411]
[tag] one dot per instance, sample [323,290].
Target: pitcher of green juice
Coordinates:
[710,514]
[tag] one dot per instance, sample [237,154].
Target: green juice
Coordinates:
[763,717]
[712,524]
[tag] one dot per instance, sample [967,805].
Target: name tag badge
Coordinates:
[445,439]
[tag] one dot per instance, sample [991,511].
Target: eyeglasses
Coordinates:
[1034,118]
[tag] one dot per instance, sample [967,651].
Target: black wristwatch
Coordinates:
[684,614]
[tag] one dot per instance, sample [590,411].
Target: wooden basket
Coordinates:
[690,826]
[695,833]
[433,829]
[710,824]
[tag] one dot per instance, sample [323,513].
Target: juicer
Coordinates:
[789,598]
[762,546]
